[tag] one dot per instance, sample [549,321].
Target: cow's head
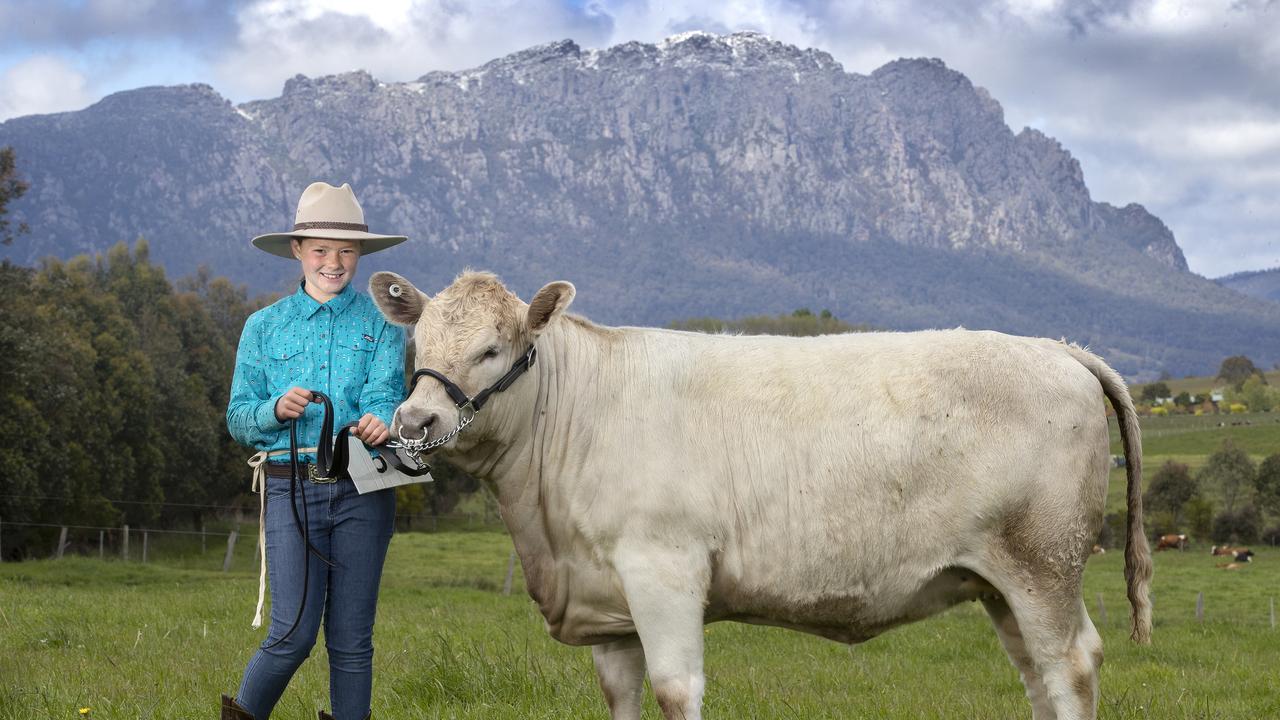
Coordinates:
[471,332]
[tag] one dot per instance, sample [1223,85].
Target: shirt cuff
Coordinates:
[265,415]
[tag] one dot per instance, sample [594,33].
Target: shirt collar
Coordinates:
[308,306]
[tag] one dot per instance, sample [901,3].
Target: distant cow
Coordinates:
[1098,550]
[655,480]
[1240,554]
[1171,542]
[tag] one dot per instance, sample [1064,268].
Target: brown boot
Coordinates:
[231,710]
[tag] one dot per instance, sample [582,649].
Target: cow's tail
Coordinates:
[1137,554]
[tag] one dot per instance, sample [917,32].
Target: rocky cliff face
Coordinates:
[704,175]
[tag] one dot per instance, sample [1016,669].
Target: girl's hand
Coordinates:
[293,403]
[372,430]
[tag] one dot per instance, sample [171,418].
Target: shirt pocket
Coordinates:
[287,364]
[354,356]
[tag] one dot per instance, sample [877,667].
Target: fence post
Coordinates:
[1,541]
[145,536]
[511,571]
[202,545]
[1200,607]
[101,543]
[62,543]
[1102,610]
[1273,613]
[231,546]
[124,549]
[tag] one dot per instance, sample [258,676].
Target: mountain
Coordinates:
[703,175]
[1263,284]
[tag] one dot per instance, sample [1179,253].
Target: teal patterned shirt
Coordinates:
[344,348]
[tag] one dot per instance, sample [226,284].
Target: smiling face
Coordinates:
[327,265]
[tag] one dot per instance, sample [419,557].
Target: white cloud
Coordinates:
[41,84]
[395,41]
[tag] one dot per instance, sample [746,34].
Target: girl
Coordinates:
[328,338]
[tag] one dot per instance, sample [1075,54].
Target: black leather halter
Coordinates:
[460,399]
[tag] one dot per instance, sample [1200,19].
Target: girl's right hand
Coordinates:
[293,403]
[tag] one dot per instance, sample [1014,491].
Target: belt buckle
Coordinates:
[320,479]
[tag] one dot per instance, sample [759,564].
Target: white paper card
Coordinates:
[363,469]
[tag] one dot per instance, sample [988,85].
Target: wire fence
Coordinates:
[224,537]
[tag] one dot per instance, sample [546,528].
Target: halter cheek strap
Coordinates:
[460,399]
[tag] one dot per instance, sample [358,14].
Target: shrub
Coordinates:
[1242,526]
[1112,533]
[1198,512]
[1271,536]
[1170,488]
[1160,410]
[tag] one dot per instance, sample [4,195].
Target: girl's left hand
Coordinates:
[372,430]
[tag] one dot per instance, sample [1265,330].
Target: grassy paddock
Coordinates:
[156,641]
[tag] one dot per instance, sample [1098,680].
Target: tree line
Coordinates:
[114,385]
[1225,501]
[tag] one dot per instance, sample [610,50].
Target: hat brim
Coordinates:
[278,244]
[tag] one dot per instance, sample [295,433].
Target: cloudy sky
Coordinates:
[1174,104]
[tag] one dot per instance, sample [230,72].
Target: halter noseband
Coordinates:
[460,400]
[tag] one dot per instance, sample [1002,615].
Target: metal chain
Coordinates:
[416,447]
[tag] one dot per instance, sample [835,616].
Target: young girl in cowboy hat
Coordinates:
[329,338]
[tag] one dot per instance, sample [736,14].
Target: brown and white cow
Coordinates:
[1171,542]
[655,480]
[1241,554]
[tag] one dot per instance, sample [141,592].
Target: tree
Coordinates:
[1236,369]
[1170,489]
[11,188]
[1231,471]
[1255,394]
[1268,484]
[1155,391]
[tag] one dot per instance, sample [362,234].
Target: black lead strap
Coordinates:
[329,459]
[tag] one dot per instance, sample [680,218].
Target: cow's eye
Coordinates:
[490,353]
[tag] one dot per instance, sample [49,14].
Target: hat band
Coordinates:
[324,225]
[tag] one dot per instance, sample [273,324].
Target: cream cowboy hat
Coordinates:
[325,211]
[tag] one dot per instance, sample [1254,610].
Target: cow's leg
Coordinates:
[665,591]
[1011,637]
[1062,643]
[620,668]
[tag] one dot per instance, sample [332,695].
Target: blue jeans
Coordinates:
[353,531]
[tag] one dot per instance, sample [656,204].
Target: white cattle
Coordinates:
[654,481]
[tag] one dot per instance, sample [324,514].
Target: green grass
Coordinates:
[1203,434]
[134,641]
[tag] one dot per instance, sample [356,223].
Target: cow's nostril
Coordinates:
[429,421]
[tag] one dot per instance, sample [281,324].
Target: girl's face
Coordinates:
[327,265]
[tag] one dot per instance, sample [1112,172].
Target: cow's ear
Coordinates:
[550,301]
[400,302]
